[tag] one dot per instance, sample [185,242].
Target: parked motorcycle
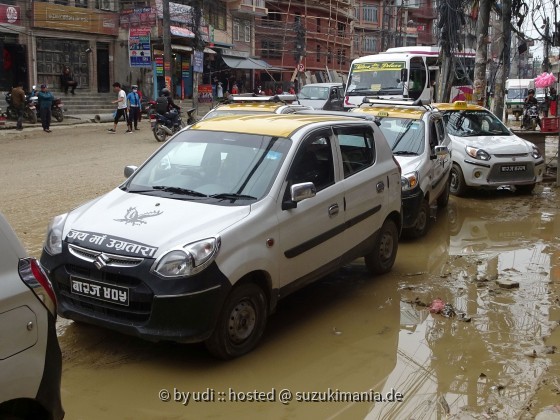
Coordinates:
[29,112]
[166,124]
[531,117]
[57,109]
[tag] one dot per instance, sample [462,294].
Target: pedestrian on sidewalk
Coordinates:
[18,102]
[45,99]
[133,101]
[121,108]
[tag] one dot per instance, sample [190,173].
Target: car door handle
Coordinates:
[380,187]
[333,210]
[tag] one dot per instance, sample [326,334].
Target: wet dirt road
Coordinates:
[346,333]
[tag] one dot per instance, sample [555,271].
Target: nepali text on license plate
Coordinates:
[100,291]
[514,168]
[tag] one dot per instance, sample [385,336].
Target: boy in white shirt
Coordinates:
[121,108]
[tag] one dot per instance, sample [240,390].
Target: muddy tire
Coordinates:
[443,198]
[159,133]
[458,186]
[525,189]
[422,222]
[382,258]
[241,322]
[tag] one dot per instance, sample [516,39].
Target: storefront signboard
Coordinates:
[197,62]
[143,17]
[204,93]
[10,14]
[139,47]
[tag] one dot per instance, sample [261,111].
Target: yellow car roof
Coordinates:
[458,106]
[278,125]
[251,106]
[392,111]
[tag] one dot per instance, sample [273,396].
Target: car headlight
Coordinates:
[53,243]
[477,153]
[536,153]
[409,181]
[188,260]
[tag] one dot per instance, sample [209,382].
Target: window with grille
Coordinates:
[247,31]
[370,14]
[236,30]
[318,53]
[271,49]
[369,44]
[216,16]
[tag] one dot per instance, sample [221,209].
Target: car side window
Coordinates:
[314,161]
[440,128]
[433,135]
[357,148]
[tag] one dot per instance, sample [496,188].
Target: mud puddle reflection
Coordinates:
[355,334]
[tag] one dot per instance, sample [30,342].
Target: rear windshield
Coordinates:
[474,123]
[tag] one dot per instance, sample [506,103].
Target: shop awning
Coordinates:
[181,32]
[177,47]
[247,63]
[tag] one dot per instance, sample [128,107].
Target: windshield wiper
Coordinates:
[179,190]
[233,196]
[405,153]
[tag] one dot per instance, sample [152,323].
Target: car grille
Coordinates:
[511,156]
[497,175]
[111,260]
[140,295]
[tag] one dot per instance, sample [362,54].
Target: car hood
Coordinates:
[119,219]
[409,163]
[313,103]
[496,144]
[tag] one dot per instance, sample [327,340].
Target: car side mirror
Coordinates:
[129,170]
[441,152]
[299,192]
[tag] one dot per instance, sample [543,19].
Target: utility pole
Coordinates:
[167,57]
[481,52]
[503,69]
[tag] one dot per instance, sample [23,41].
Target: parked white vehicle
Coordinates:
[227,217]
[30,357]
[417,137]
[487,154]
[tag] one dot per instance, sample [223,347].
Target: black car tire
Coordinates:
[382,258]
[525,189]
[241,322]
[458,185]
[422,222]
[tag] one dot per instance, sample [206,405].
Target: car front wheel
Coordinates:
[458,185]
[241,323]
[422,222]
[382,258]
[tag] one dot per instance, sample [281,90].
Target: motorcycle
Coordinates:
[166,124]
[29,112]
[57,109]
[531,118]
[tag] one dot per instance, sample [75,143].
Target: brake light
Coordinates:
[35,278]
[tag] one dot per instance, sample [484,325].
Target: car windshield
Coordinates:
[314,92]
[212,167]
[517,93]
[474,123]
[405,136]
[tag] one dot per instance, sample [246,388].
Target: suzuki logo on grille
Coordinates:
[101,261]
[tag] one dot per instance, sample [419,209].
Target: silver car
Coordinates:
[30,357]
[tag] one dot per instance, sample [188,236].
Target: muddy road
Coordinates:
[348,333]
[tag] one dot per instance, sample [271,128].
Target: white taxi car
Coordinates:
[246,104]
[227,217]
[486,154]
[417,137]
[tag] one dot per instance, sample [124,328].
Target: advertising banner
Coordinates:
[139,47]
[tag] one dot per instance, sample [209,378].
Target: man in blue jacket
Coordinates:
[46,99]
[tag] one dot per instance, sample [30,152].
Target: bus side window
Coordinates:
[417,77]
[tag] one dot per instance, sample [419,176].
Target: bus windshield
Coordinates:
[379,78]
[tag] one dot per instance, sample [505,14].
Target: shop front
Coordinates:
[78,38]
[13,60]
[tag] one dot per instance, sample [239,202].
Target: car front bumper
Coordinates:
[182,310]
[500,172]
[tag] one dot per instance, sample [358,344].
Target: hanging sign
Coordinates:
[139,51]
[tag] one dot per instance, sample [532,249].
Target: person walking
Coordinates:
[133,101]
[121,108]
[18,102]
[45,99]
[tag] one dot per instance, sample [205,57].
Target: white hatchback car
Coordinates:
[227,217]
[30,358]
[486,154]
